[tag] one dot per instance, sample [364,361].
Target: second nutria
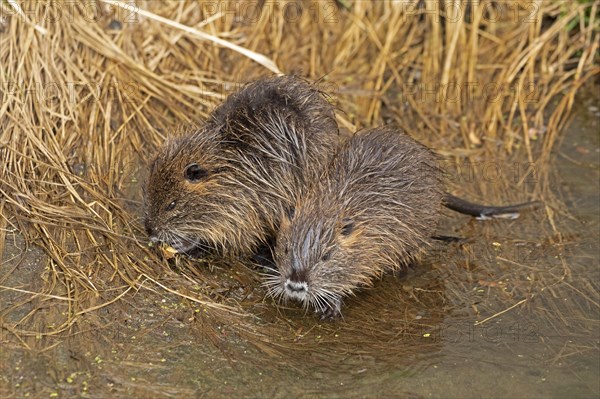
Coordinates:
[373,210]
[224,186]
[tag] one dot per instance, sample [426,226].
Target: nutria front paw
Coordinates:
[331,312]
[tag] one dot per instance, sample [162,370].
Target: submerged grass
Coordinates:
[90,89]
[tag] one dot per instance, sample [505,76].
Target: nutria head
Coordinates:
[321,258]
[194,199]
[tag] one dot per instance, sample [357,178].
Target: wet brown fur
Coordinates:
[374,210]
[258,150]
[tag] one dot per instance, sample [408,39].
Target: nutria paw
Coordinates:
[331,311]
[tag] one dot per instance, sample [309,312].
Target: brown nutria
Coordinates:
[224,186]
[374,209]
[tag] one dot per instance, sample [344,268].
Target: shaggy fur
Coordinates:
[374,210]
[253,159]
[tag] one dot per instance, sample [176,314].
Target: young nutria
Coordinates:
[225,186]
[374,209]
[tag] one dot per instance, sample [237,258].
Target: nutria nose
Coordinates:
[295,286]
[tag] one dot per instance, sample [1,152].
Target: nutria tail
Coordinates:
[485,211]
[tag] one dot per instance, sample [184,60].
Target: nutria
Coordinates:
[373,210]
[224,186]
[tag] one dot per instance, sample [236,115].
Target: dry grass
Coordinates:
[82,105]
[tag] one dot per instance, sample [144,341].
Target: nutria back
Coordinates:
[374,210]
[225,186]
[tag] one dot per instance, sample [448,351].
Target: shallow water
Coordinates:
[513,312]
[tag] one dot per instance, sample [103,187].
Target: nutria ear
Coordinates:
[290,212]
[194,173]
[152,164]
[347,226]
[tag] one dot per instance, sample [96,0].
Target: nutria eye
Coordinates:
[171,206]
[347,227]
[326,256]
[290,212]
[194,173]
